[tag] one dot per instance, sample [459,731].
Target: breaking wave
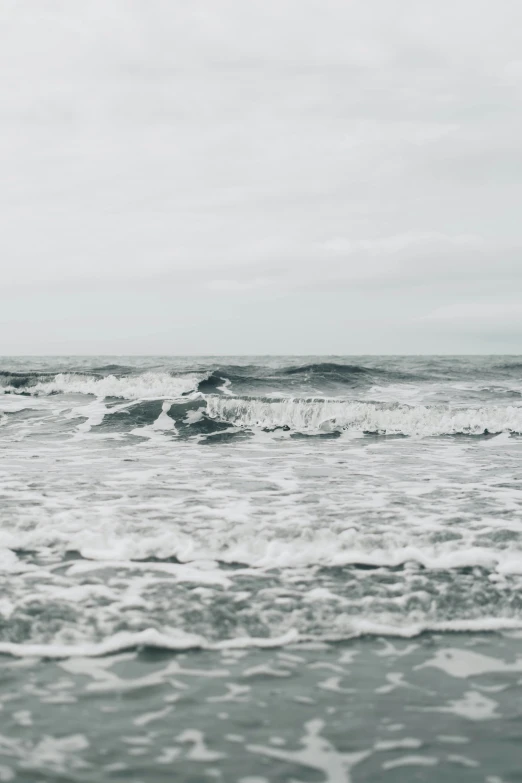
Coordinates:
[148,385]
[179,641]
[173,402]
[325,415]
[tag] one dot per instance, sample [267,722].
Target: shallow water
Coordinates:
[331,547]
[440,706]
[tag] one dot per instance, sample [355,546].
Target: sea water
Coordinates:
[261,569]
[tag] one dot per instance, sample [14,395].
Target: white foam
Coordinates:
[54,754]
[8,561]
[180,572]
[317,753]
[467,663]
[329,415]
[149,717]
[164,422]
[318,594]
[120,641]
[464,761]
[473,706]
[177,640]
[94,413]
[161,425]
[411,761]
[407,743]
[235,538]
[224,388]
[362,627]
[126,640]
[198,750]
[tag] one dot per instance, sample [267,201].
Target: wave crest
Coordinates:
[148,385]
[325,415]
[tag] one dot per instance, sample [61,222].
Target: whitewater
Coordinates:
[189,542]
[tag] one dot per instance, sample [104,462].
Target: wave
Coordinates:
[153,395]
[217,381]
[112,369]
[515,366]
[258,378]
[340,374]
[325,415]
[327,369]
[256,552]
[148,385]
[179,641]
[13,380]
[328,378]
[192,414]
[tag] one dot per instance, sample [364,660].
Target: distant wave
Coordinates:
[327,368]
[515,366]
[254,377]
[347,374]
[114,381]
[159,385]
[120,381]
[22,380]
[113,369]
[327,378]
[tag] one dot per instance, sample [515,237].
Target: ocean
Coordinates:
[261,569]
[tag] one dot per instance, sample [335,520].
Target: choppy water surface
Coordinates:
[262,569]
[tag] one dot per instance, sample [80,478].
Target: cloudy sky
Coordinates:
[260,176]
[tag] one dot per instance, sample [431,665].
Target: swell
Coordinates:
[349,373]
[329,374]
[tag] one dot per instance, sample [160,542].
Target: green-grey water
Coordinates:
[260,569]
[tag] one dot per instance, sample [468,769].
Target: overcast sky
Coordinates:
[260,176]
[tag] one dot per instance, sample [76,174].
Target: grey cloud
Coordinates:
[251,149]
